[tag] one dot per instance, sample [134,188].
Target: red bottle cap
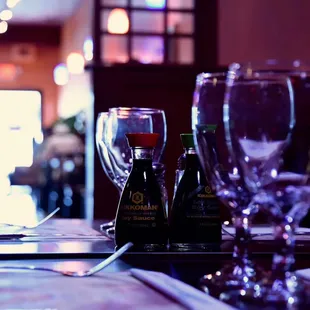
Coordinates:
[147,140]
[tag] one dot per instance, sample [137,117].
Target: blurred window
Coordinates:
[155,32]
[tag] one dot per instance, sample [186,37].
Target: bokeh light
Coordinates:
[11,3]
[75,63]
[118,21]
[88,49]
[3,26]
[61,74]
[156,4]
[6,15]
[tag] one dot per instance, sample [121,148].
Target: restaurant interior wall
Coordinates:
[35,74]
[75,95]
[262,29]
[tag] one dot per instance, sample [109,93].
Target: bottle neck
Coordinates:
[190,151]
[139,153]
[191,159]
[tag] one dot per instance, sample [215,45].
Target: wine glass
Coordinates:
[102,149]
[105,161]
[222,173]
[259,116]
[131,120]
[113,146]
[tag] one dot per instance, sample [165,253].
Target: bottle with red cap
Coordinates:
[141,216]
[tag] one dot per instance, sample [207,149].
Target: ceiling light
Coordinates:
[6,14]
[3,26]
[11,3]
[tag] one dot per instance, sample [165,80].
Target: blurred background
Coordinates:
[64,61]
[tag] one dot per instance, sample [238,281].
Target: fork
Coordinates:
[81,273]
[35,225]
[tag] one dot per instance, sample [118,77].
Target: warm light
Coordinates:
[75,63]
[6,14]
[3,26]
[156,4]
[61,74]
[11,3]
[118,21]
[88,49]
[8,72]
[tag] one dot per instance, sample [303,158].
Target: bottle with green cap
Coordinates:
[194,222]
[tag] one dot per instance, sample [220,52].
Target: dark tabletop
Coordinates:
[66,241]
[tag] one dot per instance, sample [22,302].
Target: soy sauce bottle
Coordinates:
[141,216]
[194,223]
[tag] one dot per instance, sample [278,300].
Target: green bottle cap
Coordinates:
[211,127]
[187,140]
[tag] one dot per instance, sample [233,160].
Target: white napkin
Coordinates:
[304,273]
[186,295]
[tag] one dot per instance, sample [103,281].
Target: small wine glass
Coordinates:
[113,148]
[259,120]
[102,149]
[105,163]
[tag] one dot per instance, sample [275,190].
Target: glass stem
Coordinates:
[283,258]
[242,225]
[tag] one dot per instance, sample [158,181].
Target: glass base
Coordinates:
[270,294]
[194,247]
[289,293]
[231,278]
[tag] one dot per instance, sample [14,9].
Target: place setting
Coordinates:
[244,125]
[238,158]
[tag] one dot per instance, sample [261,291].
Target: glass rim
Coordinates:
[102,113]
[259,75]
[207,76]
[290,68]
[125,110]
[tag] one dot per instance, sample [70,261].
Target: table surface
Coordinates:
[65,243]
[75,238]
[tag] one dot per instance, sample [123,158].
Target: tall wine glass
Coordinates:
[222,172]
[259,116]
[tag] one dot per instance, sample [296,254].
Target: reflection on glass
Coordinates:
[180,23]
[152,4]
[181,51]
[114,49]
[74,247]
[148,21]
[180,4]
[19,247]
[148,50]
[114,2]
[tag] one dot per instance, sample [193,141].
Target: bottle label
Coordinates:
[137,212]
[204,204]
[195,215]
